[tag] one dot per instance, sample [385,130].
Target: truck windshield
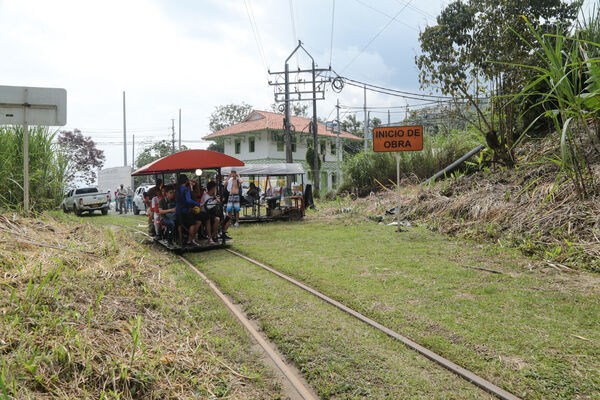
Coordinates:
[86,190]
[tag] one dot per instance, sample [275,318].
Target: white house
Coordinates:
[259,140]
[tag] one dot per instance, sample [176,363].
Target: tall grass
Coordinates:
[362,172]
[46,169]
[570,73]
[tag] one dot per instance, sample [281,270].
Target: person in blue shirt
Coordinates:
[183,210]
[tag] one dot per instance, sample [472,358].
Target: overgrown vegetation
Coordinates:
[47,169]
[89,312]
[566,86]
[366,173]
[470,54]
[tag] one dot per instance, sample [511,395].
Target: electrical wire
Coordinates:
[430,96]
[385,14]
[376,36]
[415,8]
[260,42]
[256,36]
[295,37]
[332,24]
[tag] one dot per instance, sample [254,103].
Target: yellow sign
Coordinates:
[398,138]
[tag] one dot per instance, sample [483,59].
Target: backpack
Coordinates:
[210,204]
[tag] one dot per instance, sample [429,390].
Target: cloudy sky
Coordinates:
[194,55]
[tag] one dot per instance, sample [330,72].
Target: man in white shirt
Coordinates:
[122,194]
[234,187]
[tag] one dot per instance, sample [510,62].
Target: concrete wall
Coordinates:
[266,148]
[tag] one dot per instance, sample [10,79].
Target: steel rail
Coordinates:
[287,372]
[457,369]
[292,378]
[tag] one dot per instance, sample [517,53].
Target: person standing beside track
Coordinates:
[234,187]
[122,194]
[129,200]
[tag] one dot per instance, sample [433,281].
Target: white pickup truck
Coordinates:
[85,199]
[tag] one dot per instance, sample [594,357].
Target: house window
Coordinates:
[293,144]
[333,149]
[333,180]
[251,145]
[280,143]
[323,145]
[238,146]
[309,143]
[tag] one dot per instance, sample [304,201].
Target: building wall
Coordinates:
[266,148]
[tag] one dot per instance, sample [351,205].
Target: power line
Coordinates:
[429,96]
[256,35]
[260,42]
[415,8]
[389,93]
[376,36]
[332,24]
[295,37]
[386,14]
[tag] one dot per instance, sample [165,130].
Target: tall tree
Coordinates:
[472,51]
[82,156]
[352,125]
[224,116]
[155,151]
[227,115]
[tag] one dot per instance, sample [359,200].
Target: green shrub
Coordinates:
[439,151]
[46,169]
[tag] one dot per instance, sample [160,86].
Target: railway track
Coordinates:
[291,376]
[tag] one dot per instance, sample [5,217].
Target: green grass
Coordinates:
[339,356]
[522,329]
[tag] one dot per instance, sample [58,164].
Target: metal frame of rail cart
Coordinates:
[274,203]
[197,162]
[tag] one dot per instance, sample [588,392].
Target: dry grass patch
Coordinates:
[87,312]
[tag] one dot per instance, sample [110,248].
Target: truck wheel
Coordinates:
[65,209]
[136,211]
[105,211]
[75,211]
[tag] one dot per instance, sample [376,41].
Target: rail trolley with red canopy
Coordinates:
[203,164]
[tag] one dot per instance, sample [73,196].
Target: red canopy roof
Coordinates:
[189,160]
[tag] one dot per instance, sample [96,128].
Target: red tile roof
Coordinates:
[261,120]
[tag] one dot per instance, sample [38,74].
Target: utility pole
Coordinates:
[287,129]
[173,134]
[124,133]
[299,93]
[133,160]
[180,129]
[389,123]
[315,130]
[25,153]
[338,147]
[366,122]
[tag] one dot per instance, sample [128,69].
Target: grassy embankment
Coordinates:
[532,330]
[106,317]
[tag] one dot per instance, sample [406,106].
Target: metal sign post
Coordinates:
[396,139]
[31,106]
[398,187]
